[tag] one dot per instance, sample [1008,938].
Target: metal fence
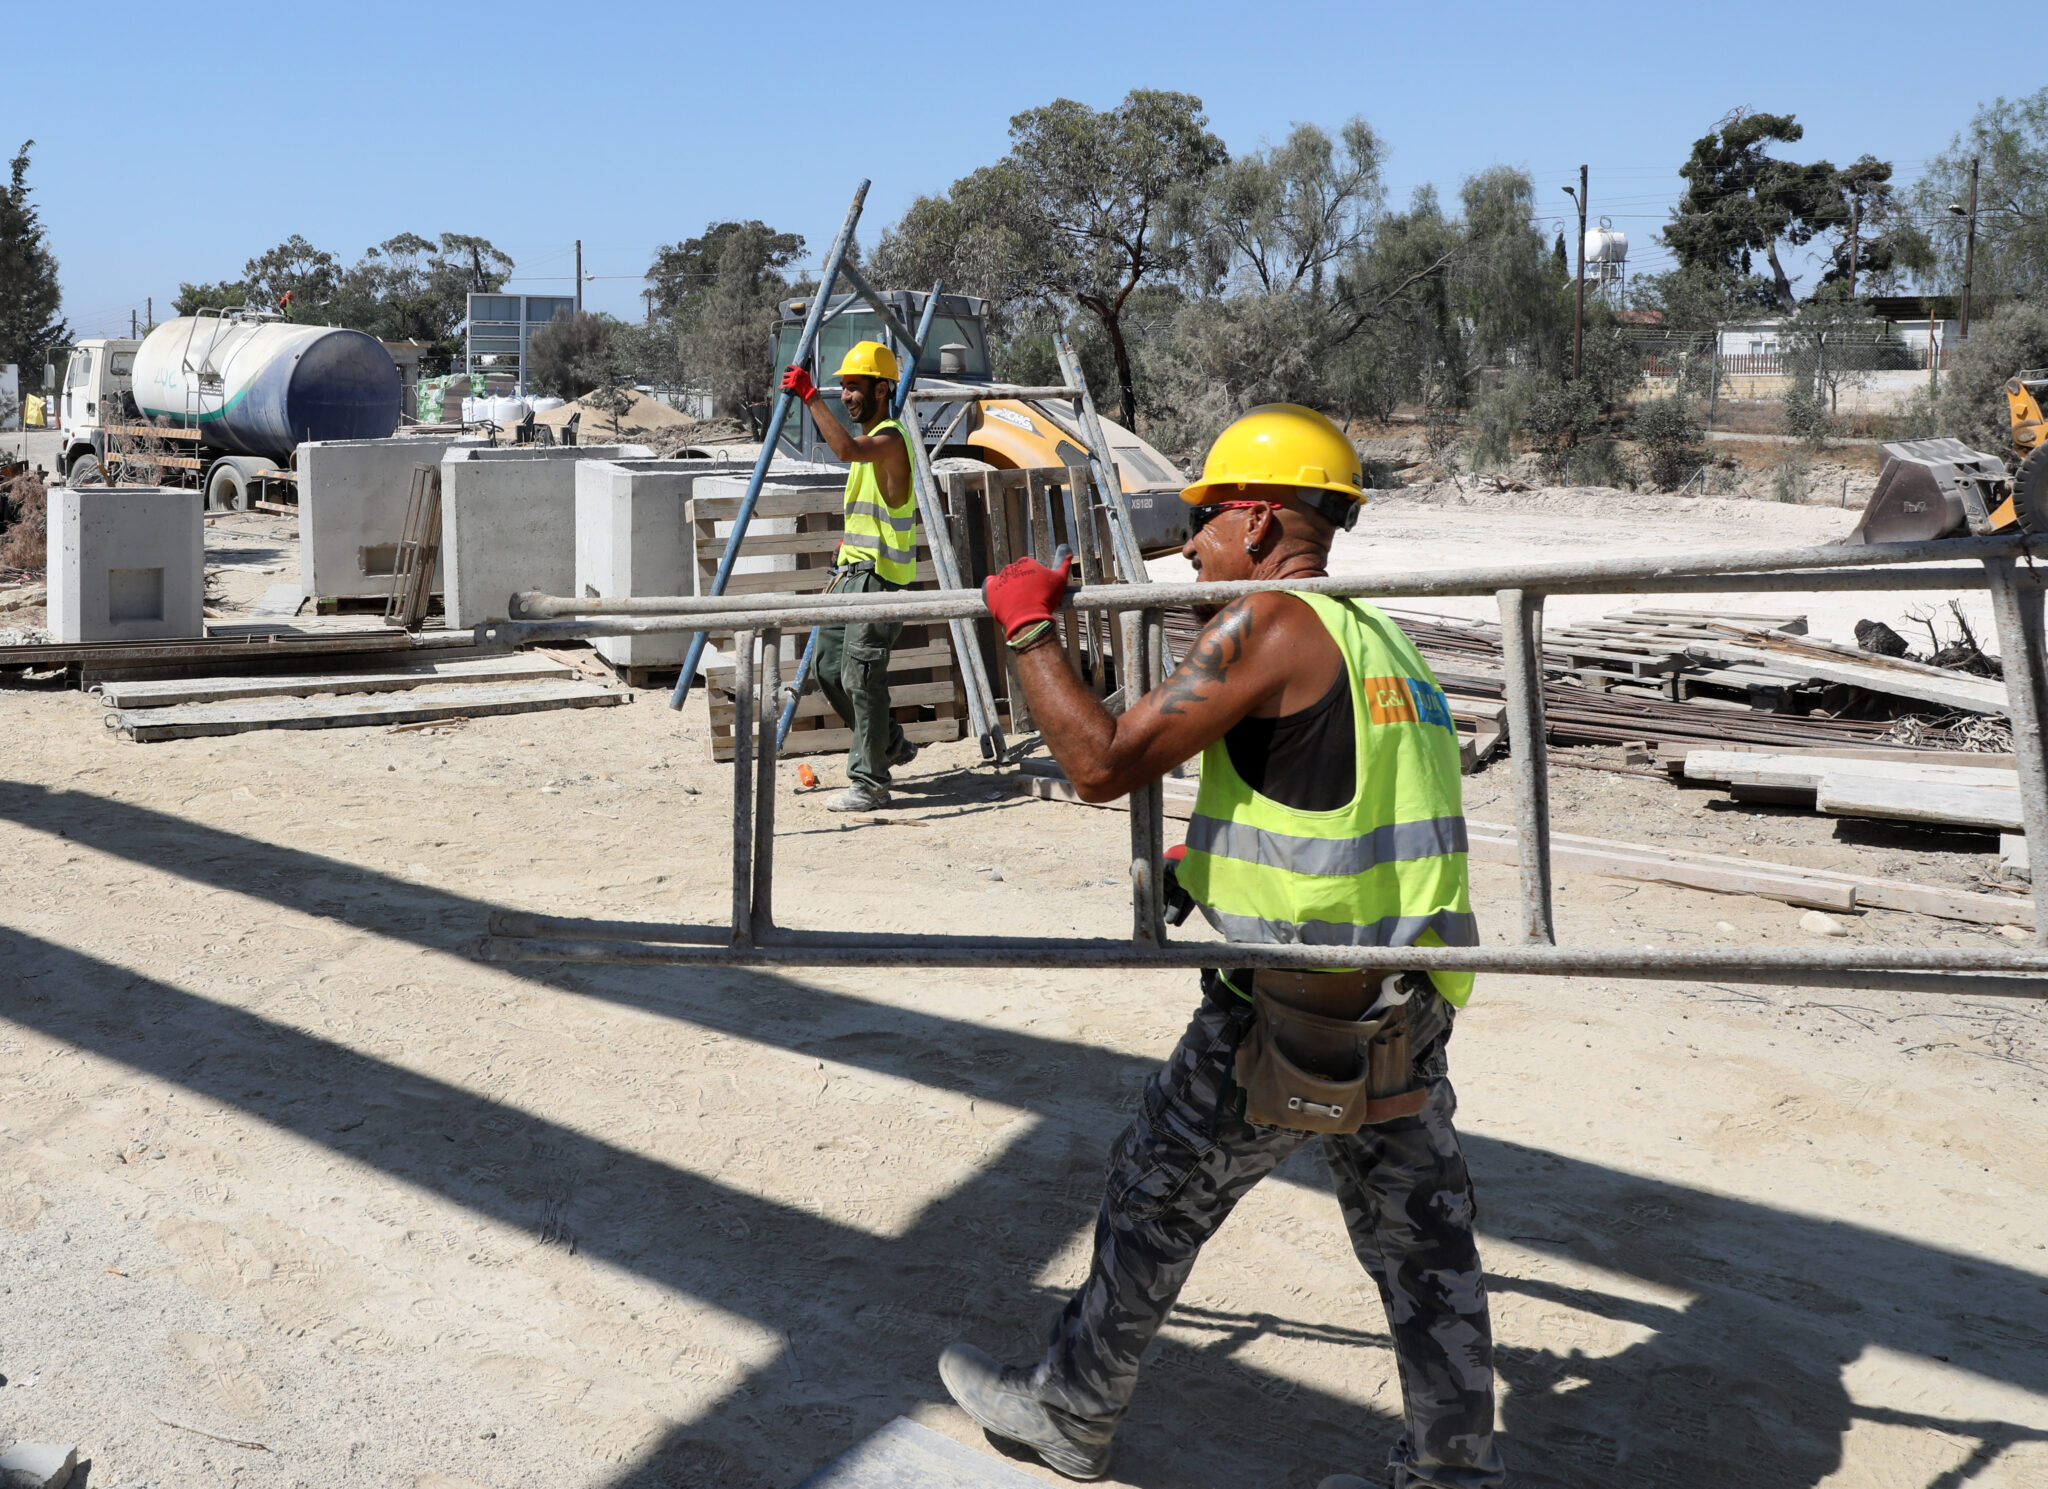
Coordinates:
[2004,566]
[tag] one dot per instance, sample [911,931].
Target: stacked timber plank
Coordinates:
[926,695]
[1983,794]
[152,710]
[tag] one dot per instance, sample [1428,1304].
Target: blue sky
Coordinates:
[631,124]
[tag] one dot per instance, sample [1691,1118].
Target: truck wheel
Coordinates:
[85,471]
[226,489]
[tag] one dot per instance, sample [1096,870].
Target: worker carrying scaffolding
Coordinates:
[878,552]
[1330,813]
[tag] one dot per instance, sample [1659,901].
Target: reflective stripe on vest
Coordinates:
[1386,869]
[876,532]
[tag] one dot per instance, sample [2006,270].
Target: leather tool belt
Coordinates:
[1328,1051]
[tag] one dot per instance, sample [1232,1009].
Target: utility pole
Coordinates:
[131,325]
[579,276]
[1579,313]
[1969,253]
[149,301]
[1855,222]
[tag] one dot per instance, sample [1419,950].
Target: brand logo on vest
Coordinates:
[1406,700]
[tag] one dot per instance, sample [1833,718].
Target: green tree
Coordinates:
[1971,404]
[979,239]
[310,276]
[2009,139]
[1673,446]
[572,354]
[228,294]
[30,327]
[1109,194]
[724,326]
[684,273]
[1282,219]
[1740,201]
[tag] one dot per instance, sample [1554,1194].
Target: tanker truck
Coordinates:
[220,400]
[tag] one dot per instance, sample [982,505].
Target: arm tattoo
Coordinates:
[1221,643]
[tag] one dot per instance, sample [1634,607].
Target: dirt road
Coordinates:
[281,1164]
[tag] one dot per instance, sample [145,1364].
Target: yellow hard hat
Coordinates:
[1279,444]
[868,359]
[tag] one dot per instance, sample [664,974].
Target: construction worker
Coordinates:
[877,551]
[1330,813]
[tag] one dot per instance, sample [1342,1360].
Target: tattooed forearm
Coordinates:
[1221,643]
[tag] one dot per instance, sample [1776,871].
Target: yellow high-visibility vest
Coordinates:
[1387,868]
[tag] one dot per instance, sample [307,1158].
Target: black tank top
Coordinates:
[1306,760]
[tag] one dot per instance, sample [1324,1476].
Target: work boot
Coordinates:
[999,1399]
[903,754]
[858,798]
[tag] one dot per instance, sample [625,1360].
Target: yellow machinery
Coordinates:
[1935,488]
[2027,506]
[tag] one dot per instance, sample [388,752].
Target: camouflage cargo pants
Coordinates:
[1182,1166]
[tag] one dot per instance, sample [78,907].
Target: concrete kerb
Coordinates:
[508,514]
[352,502]
[126,563]
[634,536]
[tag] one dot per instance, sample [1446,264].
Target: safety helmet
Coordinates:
[868,359]
[1281,444]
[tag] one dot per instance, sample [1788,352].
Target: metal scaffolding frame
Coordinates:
[2004,566]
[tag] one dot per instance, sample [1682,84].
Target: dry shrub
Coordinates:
[25,541]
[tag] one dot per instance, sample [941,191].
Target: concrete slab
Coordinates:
[905,1455]
[508,522]
[632,537]
[352,500]
[195,720]
[126,563]
[164,693]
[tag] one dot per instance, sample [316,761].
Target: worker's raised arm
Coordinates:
[1241,664]
[885,451]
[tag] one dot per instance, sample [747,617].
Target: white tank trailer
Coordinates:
[265,387]
[243,390]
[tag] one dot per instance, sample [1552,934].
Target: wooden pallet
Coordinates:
[926,695]
[1001,515]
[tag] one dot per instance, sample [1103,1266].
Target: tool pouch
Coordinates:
[1309,1073]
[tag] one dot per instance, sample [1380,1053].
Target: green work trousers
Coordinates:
[853,670]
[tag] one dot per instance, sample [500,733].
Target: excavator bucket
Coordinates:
[1931,488]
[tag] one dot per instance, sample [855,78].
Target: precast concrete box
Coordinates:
[126,563]
[352,500]
[634,537]
[508,523]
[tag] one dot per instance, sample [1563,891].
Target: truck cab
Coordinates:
[97,388]
[1006,434]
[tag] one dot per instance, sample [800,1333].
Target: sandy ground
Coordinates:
[280,1163]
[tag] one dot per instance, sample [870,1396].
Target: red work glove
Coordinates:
[1025,593]
[798,382]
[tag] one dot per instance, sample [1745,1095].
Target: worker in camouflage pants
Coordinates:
[1330,818]
[1182,1166]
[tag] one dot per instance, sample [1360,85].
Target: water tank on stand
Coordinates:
[1607,257]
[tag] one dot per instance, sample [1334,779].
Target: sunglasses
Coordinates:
[1201,516]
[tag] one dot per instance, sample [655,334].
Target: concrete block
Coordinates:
[352,500]
[633,536]
[905,1455]
[508,522]
[38,1465]
[126,563]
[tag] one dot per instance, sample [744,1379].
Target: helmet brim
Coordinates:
[1200,492]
